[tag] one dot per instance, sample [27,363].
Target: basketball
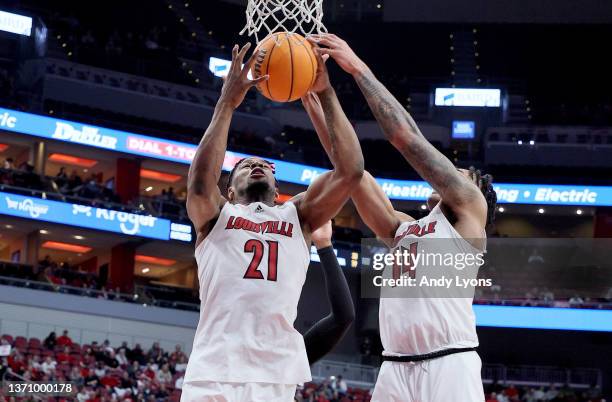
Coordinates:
[290,62]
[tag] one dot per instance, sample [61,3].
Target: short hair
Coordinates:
[233,171]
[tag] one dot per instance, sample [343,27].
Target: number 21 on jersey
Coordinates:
[257,247]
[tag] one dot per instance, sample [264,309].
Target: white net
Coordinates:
[295,16]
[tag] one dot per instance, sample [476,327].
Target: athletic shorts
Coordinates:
[454,377]
[208,391]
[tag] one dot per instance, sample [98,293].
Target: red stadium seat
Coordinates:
[34,343]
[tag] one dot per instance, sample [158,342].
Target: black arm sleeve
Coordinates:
[325,334]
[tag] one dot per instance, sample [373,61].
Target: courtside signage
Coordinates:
[568,319]
[92,217]
[142,145]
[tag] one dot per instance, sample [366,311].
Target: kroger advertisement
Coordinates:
[142,145]
[92,217]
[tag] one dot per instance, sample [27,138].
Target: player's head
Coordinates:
[485,185]
[252,179]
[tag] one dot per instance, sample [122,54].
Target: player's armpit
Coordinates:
[324,198]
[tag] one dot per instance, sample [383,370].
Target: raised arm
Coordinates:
[455,189]
[371,202]
[204,200]
[329,192]
[323,336]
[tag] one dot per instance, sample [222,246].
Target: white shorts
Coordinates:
[208,391]
[454,377]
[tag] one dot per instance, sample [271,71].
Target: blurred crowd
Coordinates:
[100,371]
[511,393]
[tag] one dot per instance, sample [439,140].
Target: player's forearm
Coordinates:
[314,109]
[345,151]
[401,130]
[207,163]
[321,338]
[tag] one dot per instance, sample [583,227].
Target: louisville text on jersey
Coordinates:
[274,227]
[417,230]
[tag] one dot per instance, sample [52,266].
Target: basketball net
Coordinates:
[293,16]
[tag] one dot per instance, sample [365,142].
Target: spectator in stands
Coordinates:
[162,393]
[100,370]
[539,394]
[137,354]
[535,257]
[164,376]
[8,164]
[576,301]
[49,365]
[155,353]
[106,347]
[342,387]
[121,358]
[76,377]
[492,397]
[61,178]
[64,355]
[177,354]
[83,395]
[64,340]
[74,181]
[181,364]
[50,341]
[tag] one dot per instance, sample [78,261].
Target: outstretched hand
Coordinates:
[236,83]
[321,82]
[340,51]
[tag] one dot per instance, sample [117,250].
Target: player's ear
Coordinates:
[230,194]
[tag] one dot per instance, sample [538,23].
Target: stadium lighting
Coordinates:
[541,210]
[423,206]
[159,176]
[148,189]
[579,212]
[72,160]
[166,262]
[43,231]
[145,270]
[532,142]
[73,248]
[501,209]
[78,237]
[520,142]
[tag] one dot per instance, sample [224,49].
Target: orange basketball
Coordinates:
[291,64]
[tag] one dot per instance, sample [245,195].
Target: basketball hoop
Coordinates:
[292,16]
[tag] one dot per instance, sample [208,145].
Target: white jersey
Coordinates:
[421,325]
[251,268]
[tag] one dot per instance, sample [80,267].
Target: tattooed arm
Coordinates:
[204,199]
[457,192]
[371,202]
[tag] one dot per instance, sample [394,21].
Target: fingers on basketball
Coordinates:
[290,62]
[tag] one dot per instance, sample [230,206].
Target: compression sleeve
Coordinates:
[321,338]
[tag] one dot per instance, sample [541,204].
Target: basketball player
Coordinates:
[252,255]
[429,343]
